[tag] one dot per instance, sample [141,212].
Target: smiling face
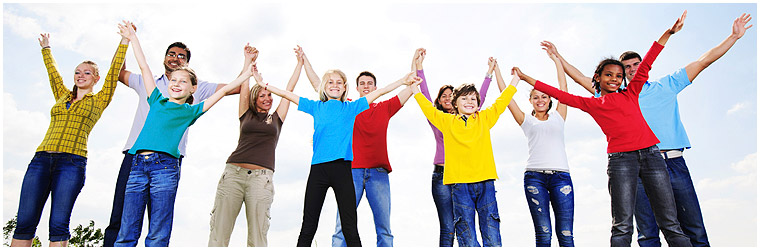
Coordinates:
[180,85]
[85,76]
[175,58]
[631,65]
[444,100]
[610,78]
[365,85]
[263,101]
[541,101]
[335,87]
[467,104]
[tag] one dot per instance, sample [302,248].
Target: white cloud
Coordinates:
[736,108]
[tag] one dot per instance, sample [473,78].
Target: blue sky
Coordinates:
[719,109]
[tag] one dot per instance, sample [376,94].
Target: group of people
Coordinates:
[648,177]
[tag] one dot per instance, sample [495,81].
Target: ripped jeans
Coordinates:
[541,189]
[480,198]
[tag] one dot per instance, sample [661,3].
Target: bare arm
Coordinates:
[513,108]
[739,27]
[213,99]
[127,30]
[283,93]
[675,28]
[561,107]
[249,54]
[282,108]
[124,74]
[313,78]
[573,72]
[406,80]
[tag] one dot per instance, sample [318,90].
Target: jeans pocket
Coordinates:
[77,161]
[616,155]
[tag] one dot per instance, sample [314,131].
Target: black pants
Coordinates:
[335,174]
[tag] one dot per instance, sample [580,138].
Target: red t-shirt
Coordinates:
[370,135]
[618,114]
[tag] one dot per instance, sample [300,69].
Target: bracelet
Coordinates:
[488,75]
[265,86]
[46,47]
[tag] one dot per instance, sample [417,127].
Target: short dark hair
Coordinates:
[600,67]
[465,89]
[629,55]
[366,73]
[181,46]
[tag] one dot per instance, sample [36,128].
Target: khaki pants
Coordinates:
[238,185]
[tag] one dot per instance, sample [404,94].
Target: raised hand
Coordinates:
[127,30]
[516,72]
[491,65]
[250,53]
[549,48]
[678,25]
[739,25]
[44,40]
[255,73]
[410,78]
[299,53]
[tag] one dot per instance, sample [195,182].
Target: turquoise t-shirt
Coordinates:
[165,124]
[658,102]
[333,127]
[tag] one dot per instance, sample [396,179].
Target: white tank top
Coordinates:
[546,143]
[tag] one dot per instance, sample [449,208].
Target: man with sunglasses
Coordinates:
[177,55]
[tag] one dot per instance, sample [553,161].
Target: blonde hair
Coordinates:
[94,73]
[193,81]
[323,95]
[254,96]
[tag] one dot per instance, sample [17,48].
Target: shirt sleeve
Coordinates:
[204,91]
[56,82]
[484,91]
[105,95]
[423,85]
[642,73]
[154,96]
[136,82]
[434,116]
[492,113]
[306,105]
[197,111]
[360,105]
[393,105]
[676,82]
[564,97]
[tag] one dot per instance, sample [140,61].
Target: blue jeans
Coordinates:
[153,178]
[623,170]
[375,181]
[557,189]
[445,208]
[469,198]
[59,175]
[687,204]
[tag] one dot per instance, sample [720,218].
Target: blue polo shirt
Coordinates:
[658,102]
[333,127]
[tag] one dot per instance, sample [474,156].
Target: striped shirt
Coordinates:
[70,128]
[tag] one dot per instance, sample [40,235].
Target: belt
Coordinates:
[546,171]
[673,153]
[438,169]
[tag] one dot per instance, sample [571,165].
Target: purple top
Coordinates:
[438,160]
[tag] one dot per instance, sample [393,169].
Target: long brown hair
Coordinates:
[440,93]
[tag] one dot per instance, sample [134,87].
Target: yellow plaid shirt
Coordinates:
[70,128]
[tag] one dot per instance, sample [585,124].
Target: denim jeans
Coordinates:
[469,198]
[154,178]
[557,189]
[623,170]
[59,175]
[375,181]
[112,231]
[445,208]
[687,204]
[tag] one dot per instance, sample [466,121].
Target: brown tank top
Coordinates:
[259,133]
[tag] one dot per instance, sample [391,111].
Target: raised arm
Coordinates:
[313,78]
[124,73]
[406,80]
[419,57]
[573,72]
[235,84]
[283,93]
[126,29]
[737,31]
[249,54]
[56,81]
[561,107]
[672,30]
[282,108]
[513,108]
[487,80]
[404,95]
[105,95]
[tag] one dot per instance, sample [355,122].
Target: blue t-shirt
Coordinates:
[333,127]
[658,102]
[165,124]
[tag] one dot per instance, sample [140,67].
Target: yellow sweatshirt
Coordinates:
[467,145]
